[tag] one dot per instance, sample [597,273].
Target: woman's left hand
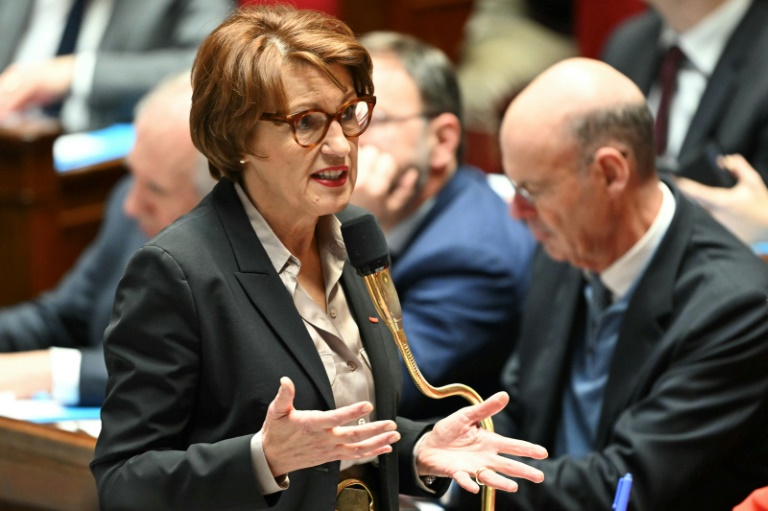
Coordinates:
[458,448]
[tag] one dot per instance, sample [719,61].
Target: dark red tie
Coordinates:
[668,81]
[67,44]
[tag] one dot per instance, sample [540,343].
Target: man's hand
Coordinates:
[25,373]
[382,188]
[744,208]
[459,449]
[28,85]
[295,439]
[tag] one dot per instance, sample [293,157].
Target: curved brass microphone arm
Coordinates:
[382,291]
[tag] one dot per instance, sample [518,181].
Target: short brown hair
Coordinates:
[430,69]
[629,123]
[237,74]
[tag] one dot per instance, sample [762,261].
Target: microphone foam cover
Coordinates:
[366,245]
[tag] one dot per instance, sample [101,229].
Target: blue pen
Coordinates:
[621,499]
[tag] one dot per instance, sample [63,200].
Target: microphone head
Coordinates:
[366,245]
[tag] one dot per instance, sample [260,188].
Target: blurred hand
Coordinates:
[28,85]
[295,439]
[25,373]
[743,208]
[381,187]
[457,447]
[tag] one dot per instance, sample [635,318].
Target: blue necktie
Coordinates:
[601,295]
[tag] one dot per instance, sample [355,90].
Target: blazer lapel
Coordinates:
[446,196]
[266,291]
[644,65]
[644,325]
[721,86]
[377,341]
[559,289]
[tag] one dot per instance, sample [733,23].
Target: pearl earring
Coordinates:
[242,162]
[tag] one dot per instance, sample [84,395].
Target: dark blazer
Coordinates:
[461,281]
[686,403]
[145,40]
[733,112]
[76,312]
[202,331]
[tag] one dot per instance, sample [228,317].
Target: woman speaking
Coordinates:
[247,365]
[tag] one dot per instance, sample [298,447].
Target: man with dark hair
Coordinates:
[460,263]
[643,342]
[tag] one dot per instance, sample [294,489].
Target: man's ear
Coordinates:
[445,137]
[613,168]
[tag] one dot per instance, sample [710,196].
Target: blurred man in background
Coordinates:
[460,263]
[88,62]
[53,343]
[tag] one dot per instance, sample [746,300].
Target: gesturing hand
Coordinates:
[458,448]
[294,439]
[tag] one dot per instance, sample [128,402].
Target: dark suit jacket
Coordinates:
[202,331]
[733,112]
[461,281]
[76,312]
[686,403]
[145,40]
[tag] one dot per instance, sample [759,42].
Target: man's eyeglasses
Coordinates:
[523,192]
[310,126]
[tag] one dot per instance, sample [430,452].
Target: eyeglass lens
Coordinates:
[312,126]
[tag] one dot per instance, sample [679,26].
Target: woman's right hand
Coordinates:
[295,439]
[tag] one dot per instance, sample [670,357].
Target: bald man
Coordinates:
[644,341]
[53,343]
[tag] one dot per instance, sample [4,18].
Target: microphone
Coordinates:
[369,255]
[368,252]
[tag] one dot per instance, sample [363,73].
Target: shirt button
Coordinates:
[360,422]
[333,313]
[352,366]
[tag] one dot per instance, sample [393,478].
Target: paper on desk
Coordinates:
[45,411]
[77,150]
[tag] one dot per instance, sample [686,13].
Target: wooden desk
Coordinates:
[45,469]
[46,218]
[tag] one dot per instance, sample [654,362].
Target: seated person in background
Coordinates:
[718,81]
[460,263]
[97,56]
[56,339]
[744,208]
[643,342]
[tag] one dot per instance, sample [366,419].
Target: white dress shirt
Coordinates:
[41,40]
[702,46]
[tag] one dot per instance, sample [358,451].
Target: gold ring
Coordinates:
[477,475]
